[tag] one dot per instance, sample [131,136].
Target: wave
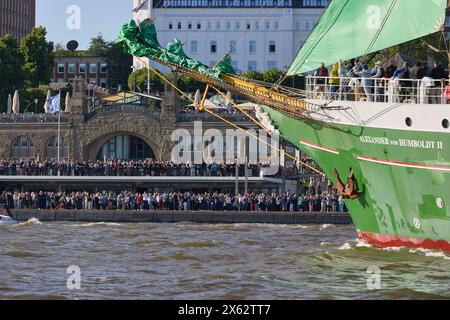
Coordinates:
[6,221]
[31,222]
[430,253]
[326,226]
[96,224]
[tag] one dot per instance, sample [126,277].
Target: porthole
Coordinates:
[445,123]
[408,122]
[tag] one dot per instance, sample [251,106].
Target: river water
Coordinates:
[205,261]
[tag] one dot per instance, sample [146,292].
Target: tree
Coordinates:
[189,85]
[141,76]
[98,46]
[119,64]
[253,75]
[11,74]
[38,57]
[272,75]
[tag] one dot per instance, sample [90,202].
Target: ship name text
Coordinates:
[404,143]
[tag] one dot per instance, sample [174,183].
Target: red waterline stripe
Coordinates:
[315,146]
[404,164]
[386,241]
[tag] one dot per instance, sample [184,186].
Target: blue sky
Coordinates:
[97,16]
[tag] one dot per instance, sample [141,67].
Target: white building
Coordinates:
[259,34]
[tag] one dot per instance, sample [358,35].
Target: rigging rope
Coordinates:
[231,123]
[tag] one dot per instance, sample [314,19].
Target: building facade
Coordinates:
[259,34]
[93,69]
[17,17]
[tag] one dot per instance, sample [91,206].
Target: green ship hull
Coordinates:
[404,177]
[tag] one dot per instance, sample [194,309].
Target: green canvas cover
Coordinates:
[351,28]
[142,41]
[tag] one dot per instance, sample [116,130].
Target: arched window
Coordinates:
[23,148]
[51,151]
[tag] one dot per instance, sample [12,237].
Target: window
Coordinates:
[249,26]
[228,25]
[190,25]
[103,68]
[179,25]
[217,24]
[252,46]
[194,46]
[170,26]
[93,81]
[271,64]
[276,25]
[93,68]
[103,83]
[233,46]
[82,68]
[61,68]
[267,24]
[52,148]
[199,26]
[257,25]
[23,148]
[71,68]
[208,25]
[252,65]
[213,47]
[238,25]
[234,64]
[272,47]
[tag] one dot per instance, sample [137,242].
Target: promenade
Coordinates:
[181,216]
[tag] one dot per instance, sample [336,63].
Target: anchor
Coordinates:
[349,190]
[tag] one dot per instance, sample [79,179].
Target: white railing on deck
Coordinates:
[424,91]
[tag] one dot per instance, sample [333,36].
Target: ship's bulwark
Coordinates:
[404,177]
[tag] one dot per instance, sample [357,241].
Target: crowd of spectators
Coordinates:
[178,201]
[142,168]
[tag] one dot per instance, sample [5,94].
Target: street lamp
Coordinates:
[134,77]
[36,102]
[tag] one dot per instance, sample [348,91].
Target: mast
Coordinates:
[150,14]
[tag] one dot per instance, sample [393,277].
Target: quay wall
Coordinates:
[182,216]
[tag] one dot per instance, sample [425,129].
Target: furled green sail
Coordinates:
[352,28]
[142,41]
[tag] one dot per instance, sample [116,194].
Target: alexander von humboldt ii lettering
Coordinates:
[392,139]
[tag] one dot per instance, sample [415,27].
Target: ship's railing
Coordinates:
[423,91]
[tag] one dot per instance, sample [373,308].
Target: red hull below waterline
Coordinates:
[388,241]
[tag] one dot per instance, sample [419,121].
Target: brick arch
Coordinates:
[100,129]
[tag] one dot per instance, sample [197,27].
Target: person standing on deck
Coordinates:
[334,80]
[365,74]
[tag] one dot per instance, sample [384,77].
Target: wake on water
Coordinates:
[426,252]
[8,221]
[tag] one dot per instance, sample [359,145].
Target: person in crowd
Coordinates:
[418,71]
[365,74]
[328,201]
[334,81]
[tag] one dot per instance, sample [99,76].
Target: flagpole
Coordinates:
[59,127]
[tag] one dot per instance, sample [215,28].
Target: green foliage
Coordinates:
[187,84]
[98,46]
[38,57]
[11,75]
[418,49]
[141,76]
[119,64]
[272,75]
[254,75]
